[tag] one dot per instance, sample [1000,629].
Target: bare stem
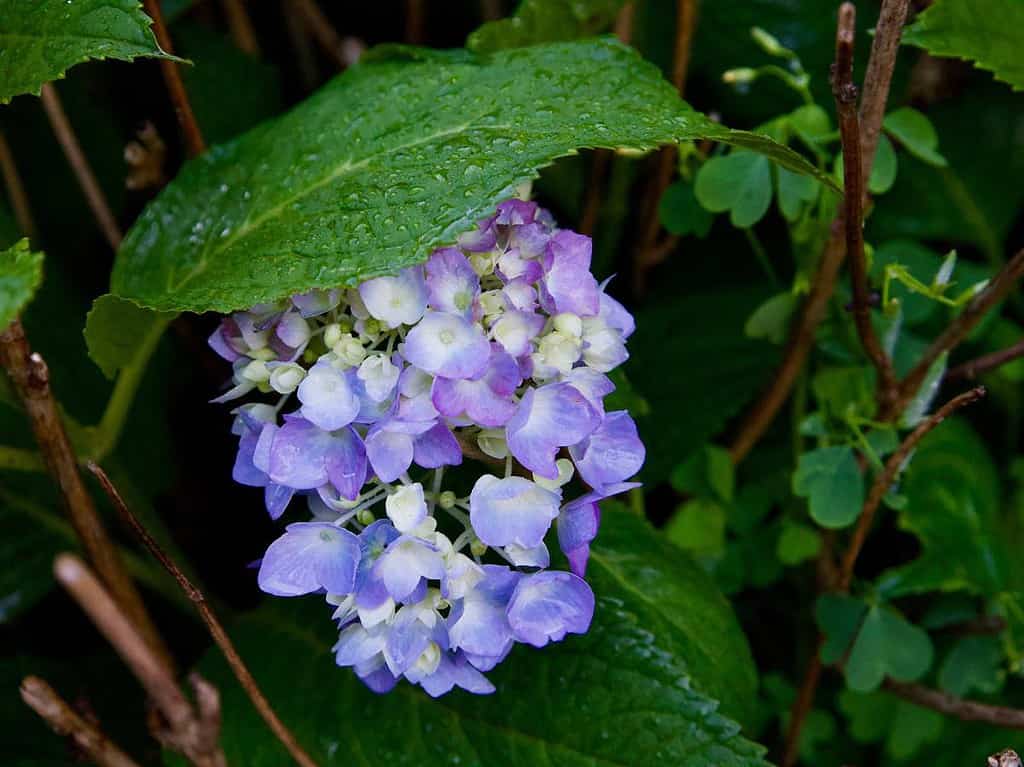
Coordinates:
[16,190]
[334,46]
[415,18]
[891,18]
[220,636]
[997,290]
[845,94]
[172,77]
[802,707]
[63,720]
[80,166]
[31,378]
[959,708]
[240,26]
[987,362]
[193,732]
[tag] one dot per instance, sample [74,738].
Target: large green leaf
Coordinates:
[21,271]
[120,333]
[391,159]
[985,31]
[630,692]
[41,39]
[545,21]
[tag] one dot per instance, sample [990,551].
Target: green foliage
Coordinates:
[984,31]
[682,214]
[117,332]
[797,543]
[916,133]
[739,182]
[662,638]
[390,160]
[886,645]
[771,319]
[698,526]
[972,665]
[21,271]
[707,473]
[904,727]
[830,480]
[42,39]
[545,21]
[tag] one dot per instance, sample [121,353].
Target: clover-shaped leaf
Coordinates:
[917,135]
[739,182]
[830,480]
[887,645]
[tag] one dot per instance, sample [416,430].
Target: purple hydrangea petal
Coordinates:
[530,239]
[515,331]
[347,463]
[478,624]
[553,416]
[453,285]
[455,671]
[512,265]
[276,498]
[398,300]
[615,315]
[310,556]
[407,639]
[548,605]
[515,212]
[405,562]
[298,455]
[591,384]
[390,453]
[511,510]
[437,447]
[356,645]
[327,397]
[379,679]
[577,527]
[293,330]
[568,285]
[612,453]
[447,345]
[520,294]
[316,302]
[482,239]
[221,340]
[486,400]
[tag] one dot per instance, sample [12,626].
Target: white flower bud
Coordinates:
[557,353]
[365,517]
[332,334]
[256,372]
[446,500]
[284,379]
[492,302]
[565,472]
[492,442]
[482,263]
[266,354]
[568,324]
[477,547]
[429,659]
[349,351]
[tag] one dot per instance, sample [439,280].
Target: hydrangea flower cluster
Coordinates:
[501,345]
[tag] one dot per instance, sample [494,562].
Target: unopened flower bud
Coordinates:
[568,324]
[446,500]
[266,354]
[332,334]
[565,472]
[365,517]
[477,547]
[482,263]
[739,76]
[492,442]
[768,43]
[256,372]
[349,351]
[492,302]
[284,379]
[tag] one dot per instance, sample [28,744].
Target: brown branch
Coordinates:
[16,190]
[985,363]
[31,379]
[305,62]
[959,708]
[343,51]
[845,94]
[998,289]
[194,142]
[63,720]
[878,76]
[80,166]
[802,707]
[872,108]
[220,636]
[191,731]
[686,22]
[888,475]
[240,26]
[415,18]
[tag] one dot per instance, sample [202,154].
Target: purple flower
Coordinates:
[478,624]
[405,563]
[447,345]
[310,556]
[483,239]
[486,399]
[511,510]
[303,457]
[568,285]
[515,331]
[578,523]
[398,300]
[327,397]
[515,212]
[453,285]
[393,445]
[553,416]
[611,454]
[292,330]
[316,302]
[513,266]
[548,605]
[453,671]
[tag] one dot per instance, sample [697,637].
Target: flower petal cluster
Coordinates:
[363,396]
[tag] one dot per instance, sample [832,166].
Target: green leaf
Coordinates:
[42,39]
[839,617]
[771,319]
[953,500]
[830,480]
[985,31]
[877,716]
[883,171]
[698,526]
[886,645]
[117,331]
[794,191]
[973,664]
[21,271]
[391,159]
[662,637]
[739,182]
[681,214]
[706,473]
[917,135]
[545,21]
[842,390]
[797,543]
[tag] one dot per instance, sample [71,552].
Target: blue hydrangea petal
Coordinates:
[548,605]
[327,397]
[310,556]
[511,510]
[612,453]
[553,416]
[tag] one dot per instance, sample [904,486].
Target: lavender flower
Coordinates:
[502,341]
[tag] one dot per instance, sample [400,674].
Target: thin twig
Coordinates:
[326,36]
[874,96]
[891,18]
[959,708]
[892,468]
[802,707]
[972,369]
[845,94]
[298,35]
[16,190]
[996,290]
[194,142]
[220,636]
[414,21]
[192,731]
[63,720]
[31,379]
[240,26]
[686,22]
[80,166]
